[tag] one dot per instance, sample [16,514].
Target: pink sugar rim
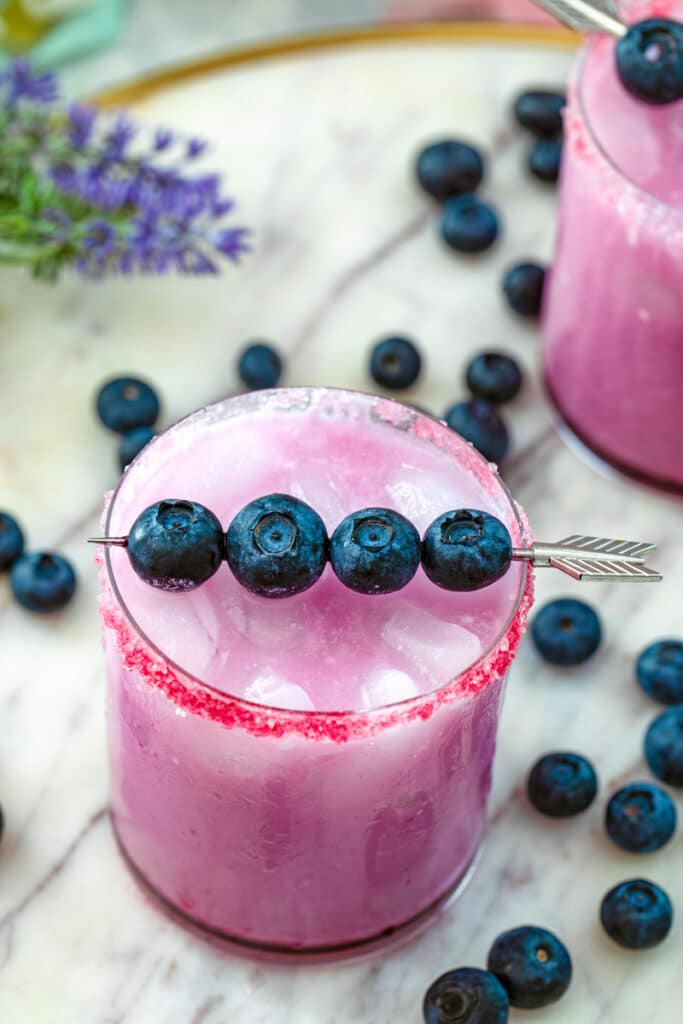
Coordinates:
[200,699]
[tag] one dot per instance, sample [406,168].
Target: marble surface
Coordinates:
[318,149]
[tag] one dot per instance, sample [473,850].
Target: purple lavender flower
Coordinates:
[117,139]
[163,138]
[231,242]
[99,238]
[25,84]
[195,148]
[81,123]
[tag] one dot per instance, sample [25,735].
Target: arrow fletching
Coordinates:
[605,570]
[631,549]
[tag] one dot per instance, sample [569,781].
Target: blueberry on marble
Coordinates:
[395,363]
[176,545]
[533,966]
[277,546]
[11,540]
[523,288]
[650,60]
[469,225]
[127,402]
[540,111]
[566,631]
[640,818]
[375,551]
[466,995]
[448,168]
[659,670]
[481,424]
[259,366]
[466,549]
[494,376]
[42,581]
[664,746]
[637,914]
[562,784]
[544,160]
[132,443]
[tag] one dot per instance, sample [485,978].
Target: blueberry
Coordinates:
[43,581]
[132,443]
[277,546]
[125,403]
[544,160]
[481,424]
[449,168]
[494,377]
[259,366]
[540,111]
[175,545]
[395,363]
[664,746]
[466,550]
[566,631]
[637,914]
[640,818]
[532,965]
[660,671]
[466,996]
[375,551]
[650,60]
[523,288]
[11,540]
[562,785]
[468,224]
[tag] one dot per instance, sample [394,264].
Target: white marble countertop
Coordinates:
[318,149]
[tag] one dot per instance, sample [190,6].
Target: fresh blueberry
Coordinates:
[481,424]
[259,366]
[544,160]
[660,671]
[277,546]
[540,111]
[468,224]
[375,551]
[11,540]
[664,746]
[533,966]
[125,403]
[650,60]
[175,545]
[523,288]
[637,914]
[566,631]
[395,363]
[449,168]
[640,818]
[466,996]
[562,785]
[494,376]
[132,443]
[42,581]
[466,549]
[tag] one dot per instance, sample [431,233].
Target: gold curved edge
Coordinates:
[463,32]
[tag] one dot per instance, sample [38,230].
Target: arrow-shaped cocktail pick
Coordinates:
[586,15]
[594,559]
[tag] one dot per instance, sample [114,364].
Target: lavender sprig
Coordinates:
[80,188]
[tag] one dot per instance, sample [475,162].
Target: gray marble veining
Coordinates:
[318,148]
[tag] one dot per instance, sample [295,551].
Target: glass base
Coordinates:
[356,950]
[598,457]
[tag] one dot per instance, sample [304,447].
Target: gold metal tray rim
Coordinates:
[461,32]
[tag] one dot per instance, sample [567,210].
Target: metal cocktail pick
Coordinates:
[593,559]
[586,15]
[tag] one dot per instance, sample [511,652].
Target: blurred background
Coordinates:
[99,42]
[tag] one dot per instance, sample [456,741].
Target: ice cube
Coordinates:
[274,625]
[436,648]
[186,629]
[387,686]
[421,497]
[277,692]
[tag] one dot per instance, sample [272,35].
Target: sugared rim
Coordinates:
[195,697]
